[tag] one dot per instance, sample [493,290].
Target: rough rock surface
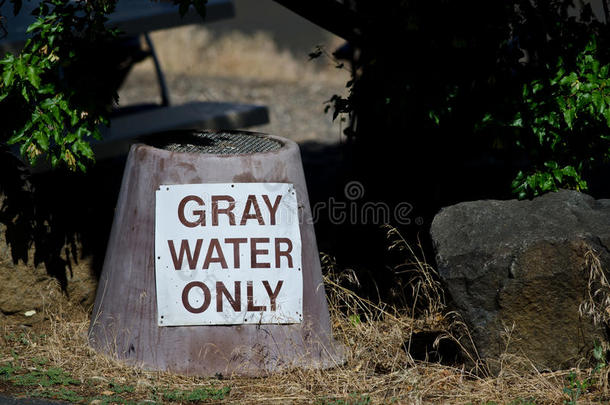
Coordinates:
[518,272]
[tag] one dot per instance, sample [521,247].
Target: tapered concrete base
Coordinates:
[124,319]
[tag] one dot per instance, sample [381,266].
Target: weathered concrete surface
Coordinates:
[519,269]
[124,319]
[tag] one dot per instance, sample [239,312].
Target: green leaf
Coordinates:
[17,136]
[47,103]
[517,122]
[42,140]
[569,80]
[558,174]
[35,25]
[70,137]
[547,183]
[96,134]
[551,165]
[7,76]
[73,117]
[86,151]
[24,94]
[570,171]
[598,352]
[33,76]
[607,116]
[598,100]
[8,59]
[20,67]
[569,115]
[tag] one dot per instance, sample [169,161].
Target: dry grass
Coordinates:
[597,303]
[378,367]
[194,50]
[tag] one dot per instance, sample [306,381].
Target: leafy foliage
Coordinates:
[37,376]
[522,81]
[56,93]
[564,121]
[52,96]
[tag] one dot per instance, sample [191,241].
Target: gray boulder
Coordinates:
[519,271]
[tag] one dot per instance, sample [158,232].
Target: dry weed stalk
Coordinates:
[597,303]
[426,288]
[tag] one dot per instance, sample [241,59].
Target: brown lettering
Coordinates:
[254,252]
[234,302]
[251,202]
[227,211]
[273,294]
[286,253]
[206,297]
[236,242]
[200,213]
[272,208]
[220,258]
[185,248]
[251,306]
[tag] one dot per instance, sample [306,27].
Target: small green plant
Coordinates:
[113,399]
[599,356]
[7,371]
[563,124]
[199,394]
[41,361]
[119,389]
[353,399]
[61,87]
[63,394]
[22,338]
[575,388]
[56,104]
[355,319]
[44,378]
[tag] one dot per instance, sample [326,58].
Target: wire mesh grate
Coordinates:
[218,143]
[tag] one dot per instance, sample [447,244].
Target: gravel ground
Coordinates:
[296,109]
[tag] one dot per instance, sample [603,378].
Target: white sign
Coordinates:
[228,254]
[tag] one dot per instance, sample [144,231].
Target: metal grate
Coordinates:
[218,143]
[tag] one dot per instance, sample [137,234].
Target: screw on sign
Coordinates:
[228,254]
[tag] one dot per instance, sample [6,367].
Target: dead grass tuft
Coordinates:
[597,302]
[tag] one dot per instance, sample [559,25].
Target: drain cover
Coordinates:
[217,143]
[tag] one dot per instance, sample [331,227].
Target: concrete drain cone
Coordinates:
[212,264]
